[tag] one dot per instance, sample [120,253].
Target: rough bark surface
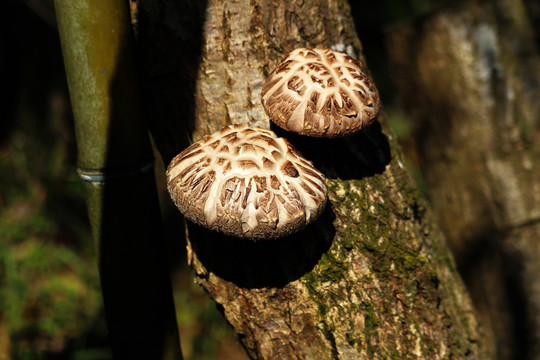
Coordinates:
[470,77]
[372,278]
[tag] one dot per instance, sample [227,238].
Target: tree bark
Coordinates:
[470,78]
[372,278]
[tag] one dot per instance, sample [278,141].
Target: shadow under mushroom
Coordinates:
[265,263]
[357,156]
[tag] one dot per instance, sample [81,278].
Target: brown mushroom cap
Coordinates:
[320,92]
[246,182]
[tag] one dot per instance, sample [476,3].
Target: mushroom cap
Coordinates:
[246,182]
[320,92]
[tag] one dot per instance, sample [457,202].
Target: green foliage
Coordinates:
[49,291]
[49,288]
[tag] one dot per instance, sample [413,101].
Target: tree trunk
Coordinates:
[372,278]
[470,79]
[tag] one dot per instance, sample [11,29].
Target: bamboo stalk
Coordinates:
[115,157]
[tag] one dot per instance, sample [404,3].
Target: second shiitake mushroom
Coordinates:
[320,92]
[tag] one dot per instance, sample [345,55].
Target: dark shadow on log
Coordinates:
[361,155]
[116,162]
[265,263]
[170,55]
[130,231]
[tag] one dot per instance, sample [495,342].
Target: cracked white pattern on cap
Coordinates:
[320,92]
[246,182]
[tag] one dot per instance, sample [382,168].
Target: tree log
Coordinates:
[372,278]
[470,78]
